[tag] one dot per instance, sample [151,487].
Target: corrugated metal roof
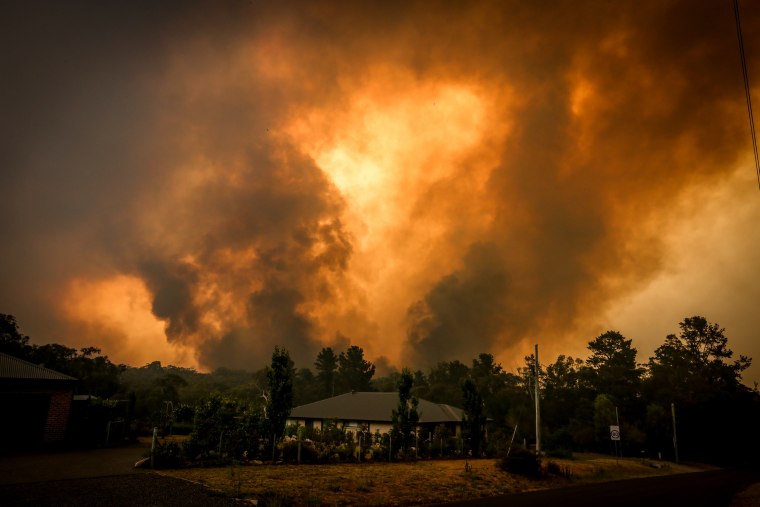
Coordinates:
[15,368]
[377,407]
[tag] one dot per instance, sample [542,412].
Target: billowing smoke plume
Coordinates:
[202,182]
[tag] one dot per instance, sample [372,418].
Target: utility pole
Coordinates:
[675,440]
[538,409]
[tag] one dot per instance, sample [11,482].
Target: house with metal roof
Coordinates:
[372,412]
[36,403]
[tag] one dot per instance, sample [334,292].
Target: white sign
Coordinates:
[614,432]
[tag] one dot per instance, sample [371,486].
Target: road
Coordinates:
[93,478]
[714,488]
[77,464]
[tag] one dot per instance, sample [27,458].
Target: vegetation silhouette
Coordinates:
[692,379]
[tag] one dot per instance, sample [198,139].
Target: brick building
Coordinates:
[36,404]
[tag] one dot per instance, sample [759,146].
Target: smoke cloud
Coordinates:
[200,182]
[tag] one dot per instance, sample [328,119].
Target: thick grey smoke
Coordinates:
[182,145]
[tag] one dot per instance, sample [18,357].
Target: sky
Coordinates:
[199,182]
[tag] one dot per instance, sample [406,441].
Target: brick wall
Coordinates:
[58,416]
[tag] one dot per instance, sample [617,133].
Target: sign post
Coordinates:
[615,437]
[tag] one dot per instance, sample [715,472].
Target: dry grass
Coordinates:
[418,483]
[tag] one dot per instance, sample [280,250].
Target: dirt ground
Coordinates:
[416,483]
[107,476]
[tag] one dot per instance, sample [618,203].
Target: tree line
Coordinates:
[691,387]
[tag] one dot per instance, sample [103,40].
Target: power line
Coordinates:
[746,88]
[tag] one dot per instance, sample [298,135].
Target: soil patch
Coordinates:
[415,483]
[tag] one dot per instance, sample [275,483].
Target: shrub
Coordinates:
[167,455]
[555,468]
[522,462]
[288,448]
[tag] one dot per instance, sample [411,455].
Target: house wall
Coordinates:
[381,427]
[33,416]
[297,422]
[316,424]
[454,429]
[373,427]
[58,416]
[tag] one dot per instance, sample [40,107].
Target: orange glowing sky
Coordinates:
[197,183]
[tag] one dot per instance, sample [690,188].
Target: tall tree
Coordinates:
[306,387]
[690,366]
[445,382]
[562,392]
[487,374]
[604,417]
[12,342]
[97,375]
[473,417]
[354,372]
[405,417]
[498,388]
[327,366]
[280,401]
[169,386]
[613,369]
[695,370]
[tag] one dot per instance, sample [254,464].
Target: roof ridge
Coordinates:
[371,406]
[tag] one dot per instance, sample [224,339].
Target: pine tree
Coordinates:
[280,402]
[354,372]
[327,366]
[405,417]
[473,419]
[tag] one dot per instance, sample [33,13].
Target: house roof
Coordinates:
[18,369]
[378,407]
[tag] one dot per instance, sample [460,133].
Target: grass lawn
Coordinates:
[417,483]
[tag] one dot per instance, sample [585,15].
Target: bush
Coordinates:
[560,470]
[522,462]
[288,449]
[167,455]
[562,439]
[225,428]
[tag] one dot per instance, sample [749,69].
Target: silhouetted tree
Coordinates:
[604,417]
[12,342]
[354,372]
[405,416]
[696,362]
[445,382]
[97,375]
[280,400]
[169,386]
[386,384]
[306,387]
[327,366]
[613,369]
[562,408]
[717,414]
[473,417]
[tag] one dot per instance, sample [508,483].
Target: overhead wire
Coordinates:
[747,88]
